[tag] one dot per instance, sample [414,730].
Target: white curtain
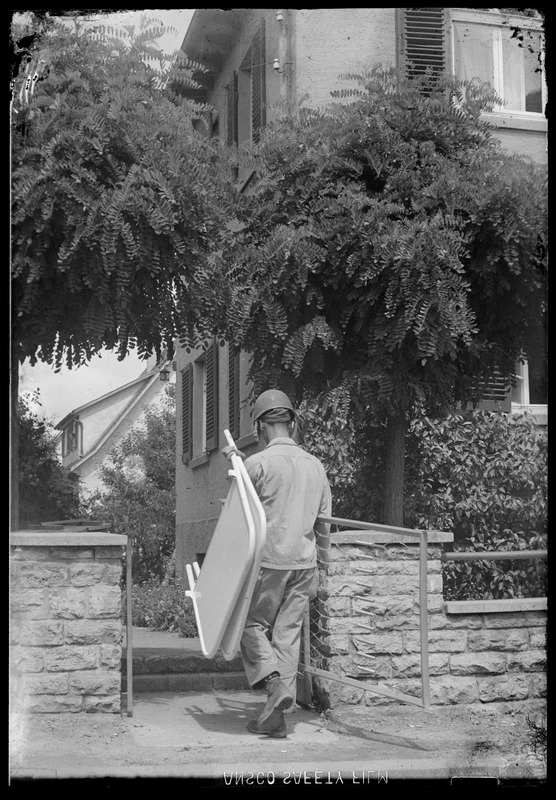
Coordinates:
[511,66]
[474,52]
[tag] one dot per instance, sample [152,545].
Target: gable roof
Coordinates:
[144,383]
[148,375]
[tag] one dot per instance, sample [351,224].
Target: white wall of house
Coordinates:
[91,431]
[88,468]
[330,41]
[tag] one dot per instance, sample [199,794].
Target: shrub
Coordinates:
[162,606]
[483,476]
[480,475]
[481,580]
[47,490]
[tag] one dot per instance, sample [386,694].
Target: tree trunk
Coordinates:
[14,444]
[394,470]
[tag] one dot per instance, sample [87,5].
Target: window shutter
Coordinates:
[495,393]
[423,41]
[231,102]
[212,396]
[258,83]
[233,392]
[187,413]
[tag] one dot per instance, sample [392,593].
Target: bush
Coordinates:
[482,580]
[163,606]
[480,475]
[47,490]
[483,476]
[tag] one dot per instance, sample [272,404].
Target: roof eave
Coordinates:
[209,39]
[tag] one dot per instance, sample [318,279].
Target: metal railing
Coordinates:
[381,689]
[494,555]
[129,625]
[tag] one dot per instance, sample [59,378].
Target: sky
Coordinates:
[62,392]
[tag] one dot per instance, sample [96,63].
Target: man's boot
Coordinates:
[279,698]
[275,726]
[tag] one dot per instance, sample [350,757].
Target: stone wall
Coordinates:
[65,621]
[365,625]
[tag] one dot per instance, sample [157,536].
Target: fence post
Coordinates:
[423,611]
[307,680]
[129,627]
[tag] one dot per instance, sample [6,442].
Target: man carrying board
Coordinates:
[293,489]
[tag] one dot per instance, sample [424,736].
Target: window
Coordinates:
[240,409]
[72,438]
[233,392]
[506,52]
[423,40]
[187,413]
[199,403]
[210,397]
[530,390]
[246,94]
[494,393]
[502,50]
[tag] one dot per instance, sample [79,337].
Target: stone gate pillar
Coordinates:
[66,627]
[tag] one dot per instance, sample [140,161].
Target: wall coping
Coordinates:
[509,605]
[371,538]
[68,538]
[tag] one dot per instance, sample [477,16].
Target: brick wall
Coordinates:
[368,629]
[65,621]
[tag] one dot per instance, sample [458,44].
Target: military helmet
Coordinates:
[267,401]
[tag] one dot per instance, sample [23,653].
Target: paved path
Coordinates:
[202,737]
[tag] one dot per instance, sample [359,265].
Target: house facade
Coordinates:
[260,63]
[88,433]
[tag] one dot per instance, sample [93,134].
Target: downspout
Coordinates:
[284,21]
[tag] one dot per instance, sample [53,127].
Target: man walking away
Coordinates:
[293,488]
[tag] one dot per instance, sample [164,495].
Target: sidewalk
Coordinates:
[202,737]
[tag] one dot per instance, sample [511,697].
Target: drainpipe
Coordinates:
[285,62]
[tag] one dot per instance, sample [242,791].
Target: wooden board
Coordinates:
[215,589]
[232,636]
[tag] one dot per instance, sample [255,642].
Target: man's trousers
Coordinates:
[272,635]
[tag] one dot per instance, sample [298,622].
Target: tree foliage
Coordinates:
[117,201]
[48,491]
[389,244]
[138,497]
[352,454]
[390,240]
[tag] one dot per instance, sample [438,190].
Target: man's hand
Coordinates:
[231,450]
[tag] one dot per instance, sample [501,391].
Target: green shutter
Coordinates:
[187,413]
[258,83]
[233,392]
[212,396]
[423,41]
